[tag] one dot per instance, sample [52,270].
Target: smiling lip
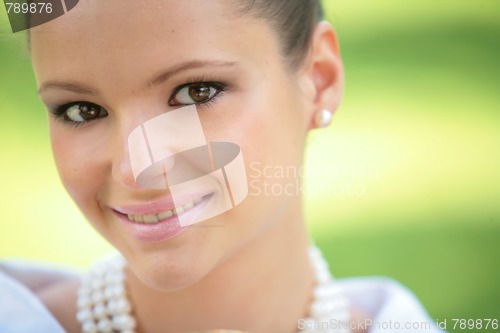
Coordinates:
[165,227]
[155,207]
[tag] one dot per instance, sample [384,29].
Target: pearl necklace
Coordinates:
[103,306]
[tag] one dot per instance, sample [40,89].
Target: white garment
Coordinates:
[21,311]
[392,307]
[382,299]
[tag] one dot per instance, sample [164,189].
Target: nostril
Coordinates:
[122,169]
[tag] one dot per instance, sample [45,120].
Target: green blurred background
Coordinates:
[414,191]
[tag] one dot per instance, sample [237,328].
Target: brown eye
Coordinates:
[199,92]
[196,93]
[82,112]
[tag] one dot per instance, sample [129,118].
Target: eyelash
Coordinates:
[221,87]
[60,113]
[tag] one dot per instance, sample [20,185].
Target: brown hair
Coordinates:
[293,20]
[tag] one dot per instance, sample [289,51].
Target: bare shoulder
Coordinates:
[60,298]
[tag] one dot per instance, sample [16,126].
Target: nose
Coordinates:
[122,171]
[146,150]
[132,158]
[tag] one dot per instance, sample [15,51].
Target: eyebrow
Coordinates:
[69,86]
[193,64]
[163,76]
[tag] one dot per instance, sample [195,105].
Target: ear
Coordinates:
[323,74]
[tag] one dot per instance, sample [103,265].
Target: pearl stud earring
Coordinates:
[323,118]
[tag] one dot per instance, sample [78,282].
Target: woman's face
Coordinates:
[106,55]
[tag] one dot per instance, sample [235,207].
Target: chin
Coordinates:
[169,273]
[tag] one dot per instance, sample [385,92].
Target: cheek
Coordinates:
[268,125]
[78,166]
[273,133]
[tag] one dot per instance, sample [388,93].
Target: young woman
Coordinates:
[261,75]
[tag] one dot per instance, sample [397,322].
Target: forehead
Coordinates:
[130,37]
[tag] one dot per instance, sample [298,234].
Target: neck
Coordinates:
[265,286]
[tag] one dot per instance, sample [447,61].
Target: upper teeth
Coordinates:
[154,218]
